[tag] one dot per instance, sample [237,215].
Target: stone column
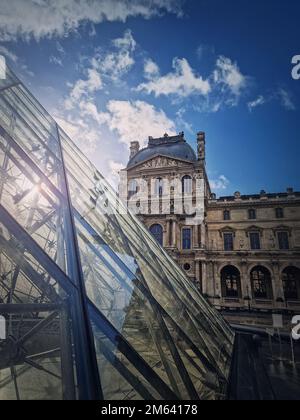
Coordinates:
[204,279]
[245,280]
[195,236]
[210,286]
[171,233]
[197,273]
[245,283]
[199,235]
[217,280]
[174,236]
[277,283]
[167,240]
[203,235]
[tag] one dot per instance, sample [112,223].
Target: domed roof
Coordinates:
[173,147]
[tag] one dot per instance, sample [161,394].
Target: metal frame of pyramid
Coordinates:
[94,307]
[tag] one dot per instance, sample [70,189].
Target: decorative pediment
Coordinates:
[283,228]
[227,229]
[254,229]
[161,162]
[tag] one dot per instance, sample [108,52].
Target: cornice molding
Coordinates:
[223,205]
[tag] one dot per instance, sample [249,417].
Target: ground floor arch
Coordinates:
[261,283]
[231,282]
[291,283]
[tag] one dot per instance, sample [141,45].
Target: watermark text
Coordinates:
[296,328]
[2,68]
[296,68]
[2,328]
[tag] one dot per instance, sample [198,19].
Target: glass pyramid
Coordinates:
[93,307]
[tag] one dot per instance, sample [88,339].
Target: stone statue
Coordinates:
[201,145]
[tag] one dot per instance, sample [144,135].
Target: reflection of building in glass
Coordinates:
[94,308]
[244,253]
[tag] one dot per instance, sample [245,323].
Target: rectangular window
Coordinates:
[186,238]
[255,240]
[279,213]
[252,214]
[228,242]
[283,240]
[227,215]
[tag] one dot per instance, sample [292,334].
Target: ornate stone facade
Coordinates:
[245,254]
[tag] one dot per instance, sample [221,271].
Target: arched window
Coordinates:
[226,215]
[261,283]
[157,232]
[291,283]
[187,185]
[159,187]
[231,282]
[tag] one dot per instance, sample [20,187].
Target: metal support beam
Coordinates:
[20,308]
[128,351]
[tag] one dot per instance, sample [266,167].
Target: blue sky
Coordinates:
[114,71]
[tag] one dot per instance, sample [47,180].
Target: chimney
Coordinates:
[134,148]
[201,145]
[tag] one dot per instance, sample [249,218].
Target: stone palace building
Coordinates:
[243,254]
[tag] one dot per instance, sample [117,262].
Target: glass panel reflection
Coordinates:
[94,307]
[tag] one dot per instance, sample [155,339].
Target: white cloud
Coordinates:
[229,84]
[114,169]
[55,60]
[221,183]
[137,121]
[47,18]
[182,82]
[126,43]
[280,95]
[115,64]
[257,102]
[229,76]
[205,51]
[286,100]
[8,54]
[60,48]
[89,110]
[104,67]
[81,88]
[151,69]
[223,87]
[181,122]
[83,134]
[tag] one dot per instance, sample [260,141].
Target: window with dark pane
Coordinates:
[255,240]
[252,214]
[283,241]
[261,283]
[231,282]
[228,242]
[279,213]
[157,232]
[291,283]
[186,238]
[227,215]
